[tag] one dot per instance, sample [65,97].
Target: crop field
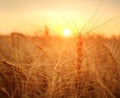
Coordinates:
[54,67]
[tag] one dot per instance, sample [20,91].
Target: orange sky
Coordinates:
[31,15]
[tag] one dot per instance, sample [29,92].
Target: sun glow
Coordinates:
[66,32]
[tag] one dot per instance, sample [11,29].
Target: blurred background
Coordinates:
[32,16]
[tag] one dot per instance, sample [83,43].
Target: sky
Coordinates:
[31,16]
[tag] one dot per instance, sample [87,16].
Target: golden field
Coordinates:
[54,67]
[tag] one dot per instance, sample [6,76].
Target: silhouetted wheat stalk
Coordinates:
[79,63]
[80,48]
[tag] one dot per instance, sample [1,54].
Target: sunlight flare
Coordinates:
[66,32]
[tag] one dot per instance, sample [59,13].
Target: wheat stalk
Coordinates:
[12,77]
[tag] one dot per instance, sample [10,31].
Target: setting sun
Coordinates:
[66,32]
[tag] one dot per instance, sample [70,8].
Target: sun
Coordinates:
[66,32]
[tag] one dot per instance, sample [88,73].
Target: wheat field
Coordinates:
[40,67]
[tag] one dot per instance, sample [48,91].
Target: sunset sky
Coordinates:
[31,16]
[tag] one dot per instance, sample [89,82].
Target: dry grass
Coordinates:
[53,68]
